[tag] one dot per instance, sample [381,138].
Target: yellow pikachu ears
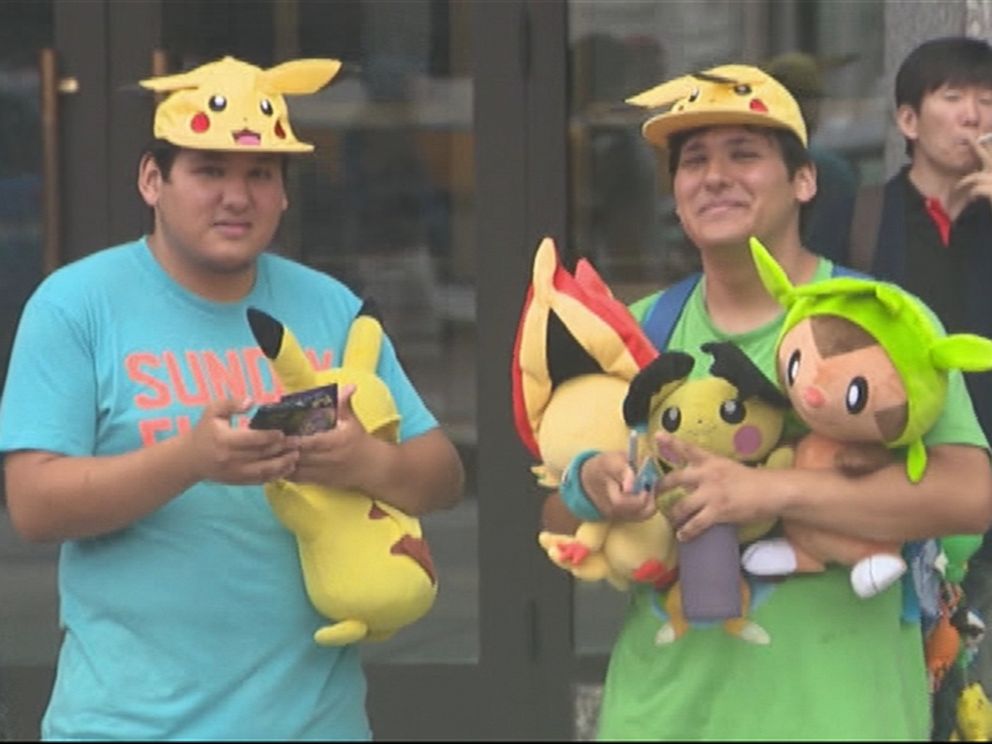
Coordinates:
[725,95]
[235,106]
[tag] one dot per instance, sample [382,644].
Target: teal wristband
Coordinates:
[572,493]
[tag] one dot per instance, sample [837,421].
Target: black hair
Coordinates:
[164,154]
[794,155]
[950,60]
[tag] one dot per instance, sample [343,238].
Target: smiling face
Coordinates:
[841,381]
[949,119]
[214,214]
[732,182]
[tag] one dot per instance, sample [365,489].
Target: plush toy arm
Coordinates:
[781,457]
[568,553]
[861,459]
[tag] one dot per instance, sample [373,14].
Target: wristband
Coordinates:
[572,493]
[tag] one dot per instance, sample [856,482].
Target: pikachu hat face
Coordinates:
[235,106]
[726,95]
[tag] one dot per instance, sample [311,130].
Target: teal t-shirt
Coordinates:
[193,622]
[837,666]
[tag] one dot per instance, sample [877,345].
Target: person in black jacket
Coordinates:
[935,239]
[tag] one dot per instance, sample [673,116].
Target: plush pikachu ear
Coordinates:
[665,94]
[299,76]
[361,350]
[772,275]
[190,79]
[281,347]
[656,381]
[964,351]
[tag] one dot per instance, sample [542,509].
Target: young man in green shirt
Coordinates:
[837,666]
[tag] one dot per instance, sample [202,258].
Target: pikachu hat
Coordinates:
[729,94]
[235,106]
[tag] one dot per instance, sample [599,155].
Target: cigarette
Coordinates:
[985,138]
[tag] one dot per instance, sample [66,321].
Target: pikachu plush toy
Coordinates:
[365,563]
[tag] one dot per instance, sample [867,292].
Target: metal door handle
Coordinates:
[51,86]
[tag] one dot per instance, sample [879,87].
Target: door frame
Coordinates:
[522,685]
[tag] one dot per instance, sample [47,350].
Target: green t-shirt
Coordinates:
[837,666]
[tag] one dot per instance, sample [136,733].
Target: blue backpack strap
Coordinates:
[839,270]
[664,314]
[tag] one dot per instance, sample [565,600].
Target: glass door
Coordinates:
[28,622]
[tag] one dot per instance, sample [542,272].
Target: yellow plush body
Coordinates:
[974,715]
[733,412]
[365,563]
[568,397]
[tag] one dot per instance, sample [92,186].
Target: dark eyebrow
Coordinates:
[214,157]
[744,138]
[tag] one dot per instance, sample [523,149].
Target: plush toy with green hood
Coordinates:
[865,366]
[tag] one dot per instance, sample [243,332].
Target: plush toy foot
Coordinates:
[751,632]
[572,553]
[769,558]
[665,635]
[342,633]
[876,573]
[654,572]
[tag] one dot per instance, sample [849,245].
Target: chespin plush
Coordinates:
[577,349]
[365,563]
[734,412]
[866,368]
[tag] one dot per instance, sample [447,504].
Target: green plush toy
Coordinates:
[865,366]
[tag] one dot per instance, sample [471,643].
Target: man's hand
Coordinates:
[340,457]
[234,455]
[716,489]
[607,479]
[977,185]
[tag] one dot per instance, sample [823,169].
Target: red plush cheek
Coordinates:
[200,123]
[280,132]
[747,440]
[758,105]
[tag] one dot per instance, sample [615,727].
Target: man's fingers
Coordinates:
[345,394]
[678,451]
[694,526]
[983,148]
[227,407]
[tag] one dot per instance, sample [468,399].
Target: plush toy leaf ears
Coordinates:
[231,105]
[570,324]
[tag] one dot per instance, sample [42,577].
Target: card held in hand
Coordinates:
[301,413]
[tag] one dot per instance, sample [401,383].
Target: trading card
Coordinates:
[301,413]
